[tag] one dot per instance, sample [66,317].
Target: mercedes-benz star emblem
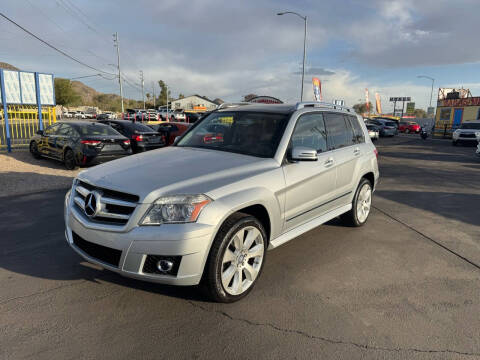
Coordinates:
[91,204]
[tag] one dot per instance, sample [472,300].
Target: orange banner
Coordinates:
[378,102]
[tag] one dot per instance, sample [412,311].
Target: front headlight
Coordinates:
[175,209]
[477,134]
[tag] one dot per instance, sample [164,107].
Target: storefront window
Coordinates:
[445,114]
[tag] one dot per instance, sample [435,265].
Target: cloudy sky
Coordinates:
[228,49]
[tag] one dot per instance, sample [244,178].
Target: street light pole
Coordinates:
[117,45]
[433,81]
[304,46]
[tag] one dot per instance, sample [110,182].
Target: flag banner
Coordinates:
[317,89]
[378,103]
[367,101]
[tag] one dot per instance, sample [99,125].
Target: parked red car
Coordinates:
[171,130]
[408,127]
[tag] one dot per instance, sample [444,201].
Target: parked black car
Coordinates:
[143,138]
[79,143]
[386,127]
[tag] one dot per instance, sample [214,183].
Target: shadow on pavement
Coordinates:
[456,206]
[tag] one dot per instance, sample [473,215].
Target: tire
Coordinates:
[69,160]
[240,272]
[34,150]
[355,217]
[454,143]
[407,131]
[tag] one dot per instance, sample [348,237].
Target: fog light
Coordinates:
[164,265]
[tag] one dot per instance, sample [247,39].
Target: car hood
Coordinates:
[468,131]
[175,170]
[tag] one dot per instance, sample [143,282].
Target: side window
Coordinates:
[357,130]
[310,132]
[65,130]
[339,134]
[51,130]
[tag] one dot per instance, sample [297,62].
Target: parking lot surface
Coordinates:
[404,286]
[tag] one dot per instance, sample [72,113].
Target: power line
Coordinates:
[53,47]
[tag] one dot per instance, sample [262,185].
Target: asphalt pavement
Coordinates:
[404,286]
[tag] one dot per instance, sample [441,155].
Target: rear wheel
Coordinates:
[34,150]
[69,160]
[407,131]
[361,205]
[236,258]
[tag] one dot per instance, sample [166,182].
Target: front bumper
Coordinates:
[190,241]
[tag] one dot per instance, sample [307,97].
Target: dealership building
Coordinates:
[454,108]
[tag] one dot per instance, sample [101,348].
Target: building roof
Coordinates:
[201,97]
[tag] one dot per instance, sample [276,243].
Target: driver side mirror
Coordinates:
[39,132]
[177,138]
[302,153]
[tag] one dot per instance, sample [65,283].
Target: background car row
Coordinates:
[77,143]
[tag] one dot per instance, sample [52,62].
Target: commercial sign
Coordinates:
[430,111]
[266,100]
[317,89]
[405,98]
[471,101]
[20,88]
[410,108]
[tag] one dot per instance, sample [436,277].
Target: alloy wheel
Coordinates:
[364,203]
[242,260]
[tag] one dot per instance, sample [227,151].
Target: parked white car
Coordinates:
[80,115]
[466,133]
[241,181]
[373,132]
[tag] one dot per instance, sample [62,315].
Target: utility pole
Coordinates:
[143,88]
[167,99]
[117,45]
[153,88]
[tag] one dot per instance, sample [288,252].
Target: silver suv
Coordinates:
[240,181]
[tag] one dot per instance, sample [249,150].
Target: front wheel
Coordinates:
[454,143]
[407,131]
[236,258]
[361,205]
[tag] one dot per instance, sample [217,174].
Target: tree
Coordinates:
[162,98]
[247,98]
[420,113]
[362,108]
[65,94]
[148,96]
[181,96]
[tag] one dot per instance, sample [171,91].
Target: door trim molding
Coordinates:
[301,229]
[316,207]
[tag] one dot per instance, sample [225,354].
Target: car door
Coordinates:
[64,136]
[309,184]
[47,143]
[346,152]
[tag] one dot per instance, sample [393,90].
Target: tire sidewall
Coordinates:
[66,162]
[355,200]
[217,257]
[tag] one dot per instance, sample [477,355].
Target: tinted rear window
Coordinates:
[96,129]
[141,128]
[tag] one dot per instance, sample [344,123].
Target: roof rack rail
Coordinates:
[232,104]
[304,104]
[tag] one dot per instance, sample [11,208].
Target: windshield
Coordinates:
[474,126]
[97,129]
[250,133]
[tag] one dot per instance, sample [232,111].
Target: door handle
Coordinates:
[328,162]
[356,151]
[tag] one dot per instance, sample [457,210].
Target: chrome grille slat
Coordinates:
[82,191]
[80,202]
[112,215]
[107,200]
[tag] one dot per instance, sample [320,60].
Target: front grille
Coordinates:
[467,135]
[99,252]
[113,207]
[150,265]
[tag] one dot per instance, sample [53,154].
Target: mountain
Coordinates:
[6,66]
